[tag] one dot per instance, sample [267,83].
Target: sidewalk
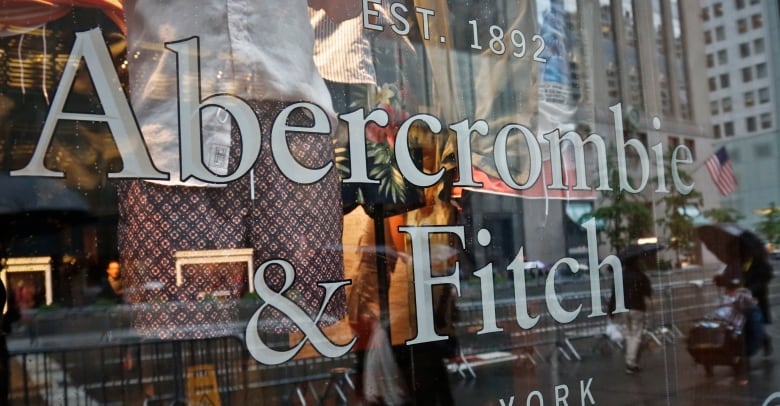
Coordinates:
[668,377]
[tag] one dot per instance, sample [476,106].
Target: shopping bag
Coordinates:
[382,380]
[614,333]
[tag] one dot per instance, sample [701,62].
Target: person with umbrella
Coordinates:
[746,259]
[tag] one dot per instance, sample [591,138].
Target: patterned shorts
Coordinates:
[299,223]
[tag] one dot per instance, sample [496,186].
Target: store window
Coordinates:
[384,202]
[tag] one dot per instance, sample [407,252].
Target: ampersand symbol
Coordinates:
[266,355]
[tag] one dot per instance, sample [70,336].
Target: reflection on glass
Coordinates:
[609,52]
[632,55]
[660,56]
[680,68]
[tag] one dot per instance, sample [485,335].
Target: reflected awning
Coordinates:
[578,211]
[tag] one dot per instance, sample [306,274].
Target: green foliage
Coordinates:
[625,216]
[769,226]
[677,221]
[724,215]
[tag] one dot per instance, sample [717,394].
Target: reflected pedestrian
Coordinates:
[111,285]
[9,316]
[756,274]
[637,291]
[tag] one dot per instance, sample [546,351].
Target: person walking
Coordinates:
[637,291]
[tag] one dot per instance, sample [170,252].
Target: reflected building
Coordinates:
[642,54]
[742,77]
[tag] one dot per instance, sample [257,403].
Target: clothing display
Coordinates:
[253,50]
[248,50]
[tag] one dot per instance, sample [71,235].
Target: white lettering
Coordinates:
[136,162]
[190,107]
[424,280]
[585,392]
[281,152]
[676,159]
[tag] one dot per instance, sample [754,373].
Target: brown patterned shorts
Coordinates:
[299,223]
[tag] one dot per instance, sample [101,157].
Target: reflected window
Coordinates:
[660,56]
[726,104]
[758,45]
[747,74]
[714,108]
[705,14]
[724,81]
[723,57]
[728,129]
[742,25]
[761,70]
[609,50]
[763,95]
[713,83]
[691,144]
[717,9]
[756,20]
[766,121]
[680,68]
[716,131]
[749,99]
[750,124]
[744,49]
[632,54]
[720,33]
[740,4]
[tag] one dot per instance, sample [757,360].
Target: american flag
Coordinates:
[722,172]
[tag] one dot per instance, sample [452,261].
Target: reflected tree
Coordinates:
[724,215]
[677,219]
[625,216]
[769,226]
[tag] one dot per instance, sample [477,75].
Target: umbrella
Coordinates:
[730,242]
[30,206]
[638,251]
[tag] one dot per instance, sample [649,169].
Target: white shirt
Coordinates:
[255,50]
[342,51]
